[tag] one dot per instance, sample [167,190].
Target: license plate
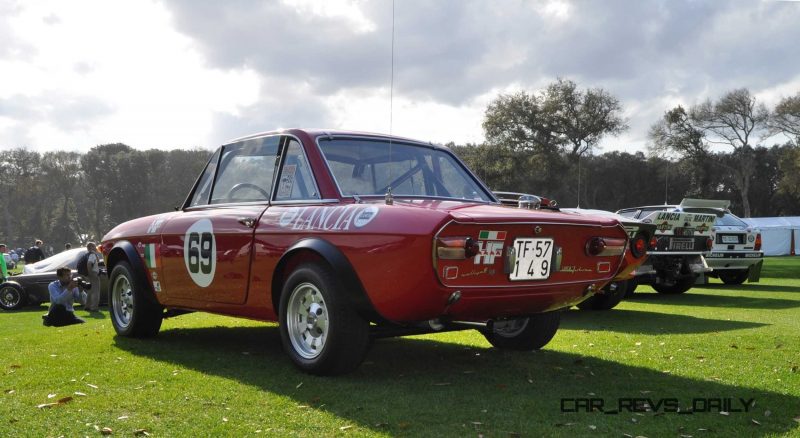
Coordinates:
[684,231]
[533,259]
[730,239]
[681,244]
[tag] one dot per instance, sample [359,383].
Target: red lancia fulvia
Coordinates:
[342,237]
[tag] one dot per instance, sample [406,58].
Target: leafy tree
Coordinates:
[735,121]
[786,118]
[517,122]
[580,119]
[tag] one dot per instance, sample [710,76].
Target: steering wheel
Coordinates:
[241,186]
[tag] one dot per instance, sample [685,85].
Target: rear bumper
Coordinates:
[486,304]
[733,259]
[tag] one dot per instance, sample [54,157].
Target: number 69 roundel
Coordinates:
[200,252]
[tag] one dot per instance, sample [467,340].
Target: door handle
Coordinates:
[248,222]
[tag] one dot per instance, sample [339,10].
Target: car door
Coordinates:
[206,248]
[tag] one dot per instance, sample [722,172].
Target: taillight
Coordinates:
[599,246]
[758,242]
[456,248]
[595,246]
[709,243]
[638,246]
[653,242]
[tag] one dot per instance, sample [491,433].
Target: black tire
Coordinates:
[734,277]
[133,313]
[12,296]
[680,286]
[315,310]
[612,294]
[630,287]
[524,334]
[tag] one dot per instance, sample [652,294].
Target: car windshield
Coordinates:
[67,258]
[367,167]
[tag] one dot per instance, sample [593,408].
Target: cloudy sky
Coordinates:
[194,73]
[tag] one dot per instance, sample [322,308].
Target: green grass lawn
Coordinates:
[210,375]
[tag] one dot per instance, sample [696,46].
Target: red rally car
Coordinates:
[342,237]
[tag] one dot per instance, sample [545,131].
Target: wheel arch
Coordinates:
[316,249]
[125,251]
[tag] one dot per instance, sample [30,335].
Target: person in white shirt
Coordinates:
[93,266]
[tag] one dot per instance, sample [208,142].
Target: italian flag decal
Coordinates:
[150,255]
[492,235]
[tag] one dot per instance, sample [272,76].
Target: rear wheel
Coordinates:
[612,294]
[12,296]
[734,276]
[680,286]
[320,331]
[524,334]
[133,313]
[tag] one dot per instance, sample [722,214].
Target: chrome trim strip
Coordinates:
[226,205]
[307,201]
[612,251]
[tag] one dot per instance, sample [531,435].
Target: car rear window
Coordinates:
[367,167]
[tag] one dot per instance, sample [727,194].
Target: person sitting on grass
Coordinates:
[63,292]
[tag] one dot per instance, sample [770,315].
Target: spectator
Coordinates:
[3,262]
[93,277]
[67,246]
[34,253]
[63,292]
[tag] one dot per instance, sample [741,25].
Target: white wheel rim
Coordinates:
[122,301]
[307,320]
[511,327]
[10,297]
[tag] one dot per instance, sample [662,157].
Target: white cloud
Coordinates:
[198,72]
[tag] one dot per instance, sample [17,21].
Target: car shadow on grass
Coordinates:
[422,387]
[749,287]
[693,298]
[649,323]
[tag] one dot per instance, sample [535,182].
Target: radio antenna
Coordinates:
[579,181]
[666,183]
[389,199]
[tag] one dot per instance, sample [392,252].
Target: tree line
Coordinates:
[70,197]
[544,142]
[732,148]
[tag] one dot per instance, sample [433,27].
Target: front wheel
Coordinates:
[524,334]
[12,296]
[734,277]
[133,313]
[680,286]
[320,331]
[612,294]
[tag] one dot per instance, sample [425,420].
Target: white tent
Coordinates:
[776,234]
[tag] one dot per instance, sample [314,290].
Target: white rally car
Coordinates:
[676,255]
[736,255]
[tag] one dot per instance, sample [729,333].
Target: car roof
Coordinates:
[318,132]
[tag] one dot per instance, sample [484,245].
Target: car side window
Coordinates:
[246,170]
[200,196]
[628,213]
[296,180]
